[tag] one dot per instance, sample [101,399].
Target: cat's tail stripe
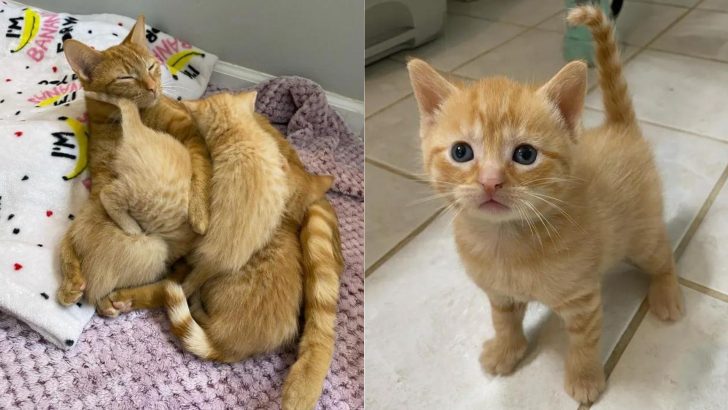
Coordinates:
[323,264]
[190,333]
[617,102]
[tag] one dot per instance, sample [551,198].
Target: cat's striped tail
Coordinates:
[192,336]
[617,102]
[323,264]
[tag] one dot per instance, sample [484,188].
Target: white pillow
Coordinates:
[36,78]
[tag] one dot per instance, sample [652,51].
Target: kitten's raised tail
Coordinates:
[323,264]
[617,101]
[192,336]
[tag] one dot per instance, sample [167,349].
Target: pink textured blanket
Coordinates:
[134,361]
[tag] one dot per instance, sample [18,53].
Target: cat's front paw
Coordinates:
[665,298]
[585,383]
[71,291]
[199,216]
[502,355]
[113,304]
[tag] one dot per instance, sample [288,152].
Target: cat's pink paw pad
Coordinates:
[122,305]
[108,311]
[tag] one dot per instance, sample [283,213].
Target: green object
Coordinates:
[578,40]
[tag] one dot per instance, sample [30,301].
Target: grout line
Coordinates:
[661,4]
[388,105]
[713,10]
[402,243]
[527,30]
[454,13]
[636,320]
[395,170]
[703,289]
[701,214]
[678,53]
[649,43]
[624,340]
[668,127]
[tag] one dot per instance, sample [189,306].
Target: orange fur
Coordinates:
[273,244]
[96,256]
[547,230]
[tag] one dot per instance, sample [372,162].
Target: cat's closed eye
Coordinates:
[151,66]
[124,77]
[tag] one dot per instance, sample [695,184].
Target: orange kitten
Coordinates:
[272,245]
[96,256]
[544,208]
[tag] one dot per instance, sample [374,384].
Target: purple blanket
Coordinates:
[135,362]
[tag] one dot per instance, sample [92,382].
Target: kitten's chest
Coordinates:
[493,271]
[509,268]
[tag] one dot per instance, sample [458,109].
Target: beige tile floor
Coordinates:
[426,322]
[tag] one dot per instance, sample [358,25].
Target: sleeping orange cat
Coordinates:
[543,208]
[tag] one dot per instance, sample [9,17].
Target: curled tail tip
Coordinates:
[585,15]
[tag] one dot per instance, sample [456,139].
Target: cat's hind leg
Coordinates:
[502,353]
[115,200]
[653,254]
[151,296]
[72,280]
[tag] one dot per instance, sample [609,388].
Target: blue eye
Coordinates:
[525,154]
[461,152]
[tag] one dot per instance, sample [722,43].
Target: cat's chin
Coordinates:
[491,211]
[148,102]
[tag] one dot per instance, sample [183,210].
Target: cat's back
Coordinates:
[151,154]
[618,168]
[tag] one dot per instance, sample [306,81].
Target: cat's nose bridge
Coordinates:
[149,83]
[491,177]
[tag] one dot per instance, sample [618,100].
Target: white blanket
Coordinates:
[43,141]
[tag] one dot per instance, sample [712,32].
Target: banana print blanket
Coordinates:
[43,178]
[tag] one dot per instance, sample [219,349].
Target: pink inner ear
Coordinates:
[571,106]
[430,88]
[567,91]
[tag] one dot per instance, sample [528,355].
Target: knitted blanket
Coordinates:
[135,362]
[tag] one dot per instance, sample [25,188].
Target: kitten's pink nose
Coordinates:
[490,185]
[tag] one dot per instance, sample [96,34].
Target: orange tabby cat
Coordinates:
[544,208]
[272,243]
[96,256]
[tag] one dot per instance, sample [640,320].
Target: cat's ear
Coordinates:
[137,35]
[566,91]
[82,58]
[430,88]
[246,101]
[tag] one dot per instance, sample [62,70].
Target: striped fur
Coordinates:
[617,102]
[292,257]
[591,199]
[190,333]
[96,255]
[323,264]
